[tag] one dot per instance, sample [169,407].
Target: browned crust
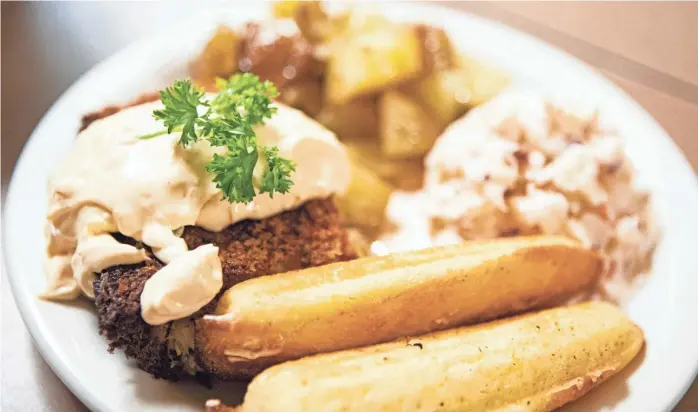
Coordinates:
[579,388]
[106,111]
[558,398]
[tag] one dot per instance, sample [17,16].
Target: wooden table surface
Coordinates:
[648,49]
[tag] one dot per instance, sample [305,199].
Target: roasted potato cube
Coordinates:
[406,128]
[357,118]
[437,50]
[368,62]
[363,205]
[330,32]
[446,93]
[277,51]
[285,9]
[313,22]
[360,21]
[403,174]
[219,58]
[485,81]
[310,17]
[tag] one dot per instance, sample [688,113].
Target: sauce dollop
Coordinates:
[148,189]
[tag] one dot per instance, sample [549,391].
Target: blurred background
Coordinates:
[648,49]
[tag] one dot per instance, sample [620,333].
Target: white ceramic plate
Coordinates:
[67,337]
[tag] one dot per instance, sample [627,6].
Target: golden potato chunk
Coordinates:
[313,22]
[437,50]
[367,62]
[406,128]
[285,9]
[402,174]
[218,59]
[358,21]
[363,204]
[485,81]
[357,118]
[446,93]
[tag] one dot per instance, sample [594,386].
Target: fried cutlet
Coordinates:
[311,235]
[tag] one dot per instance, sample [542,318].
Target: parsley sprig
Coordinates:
[227,121]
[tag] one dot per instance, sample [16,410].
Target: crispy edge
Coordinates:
[107,111]
[576,388]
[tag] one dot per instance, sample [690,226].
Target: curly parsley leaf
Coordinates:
[228,121]
[244,93]
[276,175]
[232,174]
[182,102]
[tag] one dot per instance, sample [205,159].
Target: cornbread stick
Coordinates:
[272,319]
[534,362]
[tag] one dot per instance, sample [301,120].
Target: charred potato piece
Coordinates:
[406,127]
[536,362]
[305,95]
[437,50]
[276,50]
[367,62]
[218,59]
[357,118]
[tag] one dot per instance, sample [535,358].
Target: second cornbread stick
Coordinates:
[268,320]
[535,362]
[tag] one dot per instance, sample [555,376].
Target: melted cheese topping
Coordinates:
[148,189]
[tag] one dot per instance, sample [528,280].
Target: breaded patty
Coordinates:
[311,235]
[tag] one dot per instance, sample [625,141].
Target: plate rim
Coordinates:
[28,312]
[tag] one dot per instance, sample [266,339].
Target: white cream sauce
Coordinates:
[147,189]
[183,286]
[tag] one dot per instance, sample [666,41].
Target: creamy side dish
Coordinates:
[150,189]
[522,164]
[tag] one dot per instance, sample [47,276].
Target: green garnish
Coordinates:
[227,121]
